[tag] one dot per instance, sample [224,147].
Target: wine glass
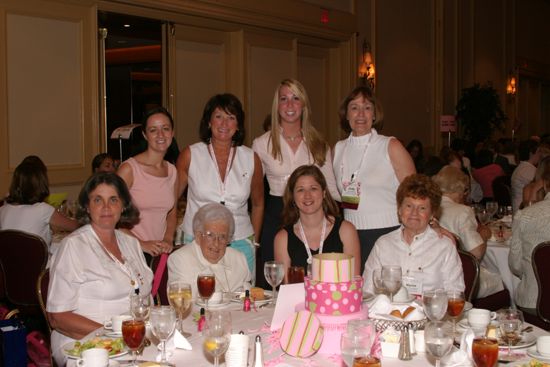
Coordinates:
[140,305]
[492,208]
[217,334]
[482,215]
[274,273]
[391,278]
[439,339]
[206,285]
[163,323]
[355,345]
[133,333]
[485,351]
[379,287]
[510,322]
[179,296]
[435,304]
[455,305]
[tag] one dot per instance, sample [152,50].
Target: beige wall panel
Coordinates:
[44,89]
[312,74]
[266,68]
[405,68]
[200,70]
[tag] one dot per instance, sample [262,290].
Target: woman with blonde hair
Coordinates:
[461,220]
[291,142]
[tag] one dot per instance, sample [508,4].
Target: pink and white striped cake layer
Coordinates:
[302,334]
[332,267]
[334,299]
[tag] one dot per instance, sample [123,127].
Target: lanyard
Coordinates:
[306,244]
[227,169]
[134,281]
[354,174]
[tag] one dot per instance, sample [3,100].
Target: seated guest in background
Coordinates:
[311,222]
[529,228]
[461,220]
[428,261]
[416,151]
[486,171]
[97,267]
[535,191]
[529,156]
[25,209]
[213,228]
[103,162]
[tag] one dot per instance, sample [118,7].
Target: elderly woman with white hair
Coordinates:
[213,228]
[461,220]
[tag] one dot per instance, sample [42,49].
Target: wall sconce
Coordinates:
[366,69]
[511,85]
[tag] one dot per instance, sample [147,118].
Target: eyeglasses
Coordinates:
[215,237]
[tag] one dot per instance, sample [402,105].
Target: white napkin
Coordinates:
[177,341]
[461,357]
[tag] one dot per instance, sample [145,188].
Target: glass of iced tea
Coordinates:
[366,361]
[455,306]
[206,285]
[133,333]
[485,352]
[296,274]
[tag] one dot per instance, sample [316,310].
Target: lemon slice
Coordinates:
[210,345]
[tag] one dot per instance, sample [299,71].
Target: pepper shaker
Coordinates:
[404,346]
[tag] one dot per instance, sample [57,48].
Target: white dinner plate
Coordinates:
[527,340]
[70,346]
[238,298]
[532,352]
[114,334]
[467,306]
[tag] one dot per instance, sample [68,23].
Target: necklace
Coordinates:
[306,244]
[135,279]
[293,137]
[227,169]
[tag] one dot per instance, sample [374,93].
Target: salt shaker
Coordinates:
[404,346]
[412,341]
[258,357]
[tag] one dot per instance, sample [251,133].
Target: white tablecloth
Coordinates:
[496,261]
[256,322]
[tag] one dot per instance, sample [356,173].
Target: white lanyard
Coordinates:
[133,281]
[354,174]
[227,169]
[306,244]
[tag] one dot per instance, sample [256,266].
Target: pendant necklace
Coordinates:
[306,244]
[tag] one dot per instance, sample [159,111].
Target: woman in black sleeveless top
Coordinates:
[311,222]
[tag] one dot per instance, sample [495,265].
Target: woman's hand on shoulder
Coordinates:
[155,248]
[401,160]
[442,231]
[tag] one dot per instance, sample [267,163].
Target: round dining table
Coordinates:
[256,322]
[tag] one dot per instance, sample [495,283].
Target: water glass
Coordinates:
[510,323]
[140,306]
[274,273]
[354,345]
[439,339]
[435,304]
[391,278]
[163,323]
[217,334]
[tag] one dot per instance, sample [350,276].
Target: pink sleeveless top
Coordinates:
[154,197]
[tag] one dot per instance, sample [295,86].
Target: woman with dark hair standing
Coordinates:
[368,169]
[221,169]
[292,141]
[152,184]
[25,209]
[97,267]
[311,223]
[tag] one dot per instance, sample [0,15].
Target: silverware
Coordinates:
[528,329]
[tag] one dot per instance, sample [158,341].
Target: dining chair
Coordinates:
[42,294]
[470,269]
[502,191]
[539,259]
[162,295]
[23,257]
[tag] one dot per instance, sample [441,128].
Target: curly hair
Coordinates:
[451,180]
[291,214]
[367,94]
[130,214]
[230,104]
[419,186]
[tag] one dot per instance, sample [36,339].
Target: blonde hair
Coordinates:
[451,180]
[316,145]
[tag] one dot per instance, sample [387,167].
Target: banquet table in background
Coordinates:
[496,261]
[257,323]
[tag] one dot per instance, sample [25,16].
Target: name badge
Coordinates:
[351,195]
[413,281]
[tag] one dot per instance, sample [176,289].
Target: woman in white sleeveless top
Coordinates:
[220,169]
[368,169]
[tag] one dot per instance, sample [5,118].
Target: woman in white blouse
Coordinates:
[291,142]
[97,267]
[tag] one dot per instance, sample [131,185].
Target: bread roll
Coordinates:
[408,311]
[257,293]
[396,313]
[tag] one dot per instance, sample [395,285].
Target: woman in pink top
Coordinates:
[486,171]
[152,184]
